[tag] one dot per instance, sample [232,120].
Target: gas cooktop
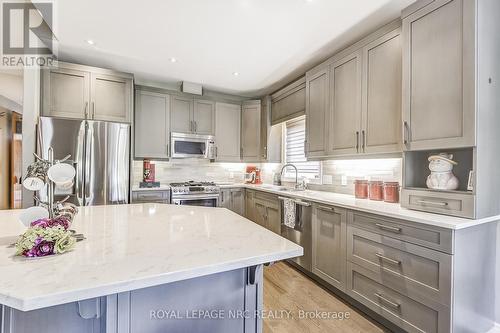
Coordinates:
[192,187]
[192,183]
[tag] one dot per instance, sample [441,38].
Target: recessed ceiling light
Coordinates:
[236,73]
[172,59]
[90,41]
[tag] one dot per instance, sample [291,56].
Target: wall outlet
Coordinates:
[343,180]
[327,179]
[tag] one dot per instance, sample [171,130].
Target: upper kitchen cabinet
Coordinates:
[270,135]
[181,118]
[353,100]
[250,131]
[439,74]
[227,132]
[204,116]
[317,103]
[289,102]
[344,118]
[83,92]
[190,115]
[381,95]
[152,125]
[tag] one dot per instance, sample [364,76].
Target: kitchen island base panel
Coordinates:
[223,302]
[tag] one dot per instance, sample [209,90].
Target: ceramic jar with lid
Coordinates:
[361,189]
[376,190]
[391,192]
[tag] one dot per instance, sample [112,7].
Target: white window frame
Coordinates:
[290,176]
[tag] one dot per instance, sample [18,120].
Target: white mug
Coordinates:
[62,175]
[32,214]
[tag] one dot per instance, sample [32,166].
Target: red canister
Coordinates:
[391,192]
[361,189]
[376,191]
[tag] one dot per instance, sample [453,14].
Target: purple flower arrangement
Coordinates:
[46,237]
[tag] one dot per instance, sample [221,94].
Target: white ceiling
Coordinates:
[269,42]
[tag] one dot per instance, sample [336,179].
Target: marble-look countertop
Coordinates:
[370,206]
[135,246]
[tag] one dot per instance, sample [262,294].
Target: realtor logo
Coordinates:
[27,38]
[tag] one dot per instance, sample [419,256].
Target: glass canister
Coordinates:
[361,189]
[376,190]
[391,192]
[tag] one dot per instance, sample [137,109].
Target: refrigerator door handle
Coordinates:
[89,138]
[79,164]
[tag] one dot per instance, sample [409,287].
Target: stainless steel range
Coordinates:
[195,194]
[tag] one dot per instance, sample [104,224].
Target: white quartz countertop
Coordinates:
[159,188]
[370,206]
[130,247]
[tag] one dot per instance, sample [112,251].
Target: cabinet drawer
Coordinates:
[411,314]
[404,267]
[432,237]
[456,204]
[151,196]
[271,199]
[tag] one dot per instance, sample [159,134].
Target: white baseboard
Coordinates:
[495,328]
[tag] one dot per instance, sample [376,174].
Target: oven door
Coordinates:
[189,145]
[197,200]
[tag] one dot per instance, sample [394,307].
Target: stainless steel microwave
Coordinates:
[187,145]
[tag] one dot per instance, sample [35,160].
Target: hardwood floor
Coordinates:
[288,295]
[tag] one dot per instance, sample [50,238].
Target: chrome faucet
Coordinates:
[296,173]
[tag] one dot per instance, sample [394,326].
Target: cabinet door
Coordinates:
[250,205]
[381,116]
[329,244]
[66,93]
[250,131]
[439,76]
[181,115]
[204,117]
[345,106]
[111,97]
[152,127]
[273,219]
[317,86]
[260,214]
[225,198]
[227,132]
[238,201]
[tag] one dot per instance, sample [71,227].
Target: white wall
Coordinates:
[11,86]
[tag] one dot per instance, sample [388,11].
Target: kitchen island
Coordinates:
[142,268]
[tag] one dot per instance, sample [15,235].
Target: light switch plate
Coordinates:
[343,180]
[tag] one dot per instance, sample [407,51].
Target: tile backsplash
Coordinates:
[338,175]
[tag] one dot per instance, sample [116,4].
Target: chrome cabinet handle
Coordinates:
[389,260]
[325,208]
[302,203]
[435,203]
[86,109]
[195,126]
[357,141]
[191,126]
[388,228]
[166,149]
[363,140]
[406,133]
[387,301]
[93,110]
[216,152]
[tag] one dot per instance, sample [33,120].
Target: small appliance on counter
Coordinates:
[148,175]
[253,175]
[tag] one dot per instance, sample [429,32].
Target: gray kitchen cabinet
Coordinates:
[181,114]
[273,217]
[250,131]
[329,244]
[111,98]
[228,132]
[270,135]
[250,205]
[263,209]
[233,199]
[260,213]
[84,92]
[155,196]
[439,62]
[345,107]
[289,102]
[204,116]
[381,95]
[65,93]
[152,125]
[317,103]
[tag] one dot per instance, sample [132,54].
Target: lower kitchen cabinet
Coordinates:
[155,196]
[263,209]
[250,205]
[329,244]
[233,199]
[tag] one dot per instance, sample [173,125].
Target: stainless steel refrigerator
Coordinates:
[100,153]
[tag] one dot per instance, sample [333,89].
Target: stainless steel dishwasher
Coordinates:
[302,233]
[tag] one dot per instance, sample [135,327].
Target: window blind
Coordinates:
[294,151]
